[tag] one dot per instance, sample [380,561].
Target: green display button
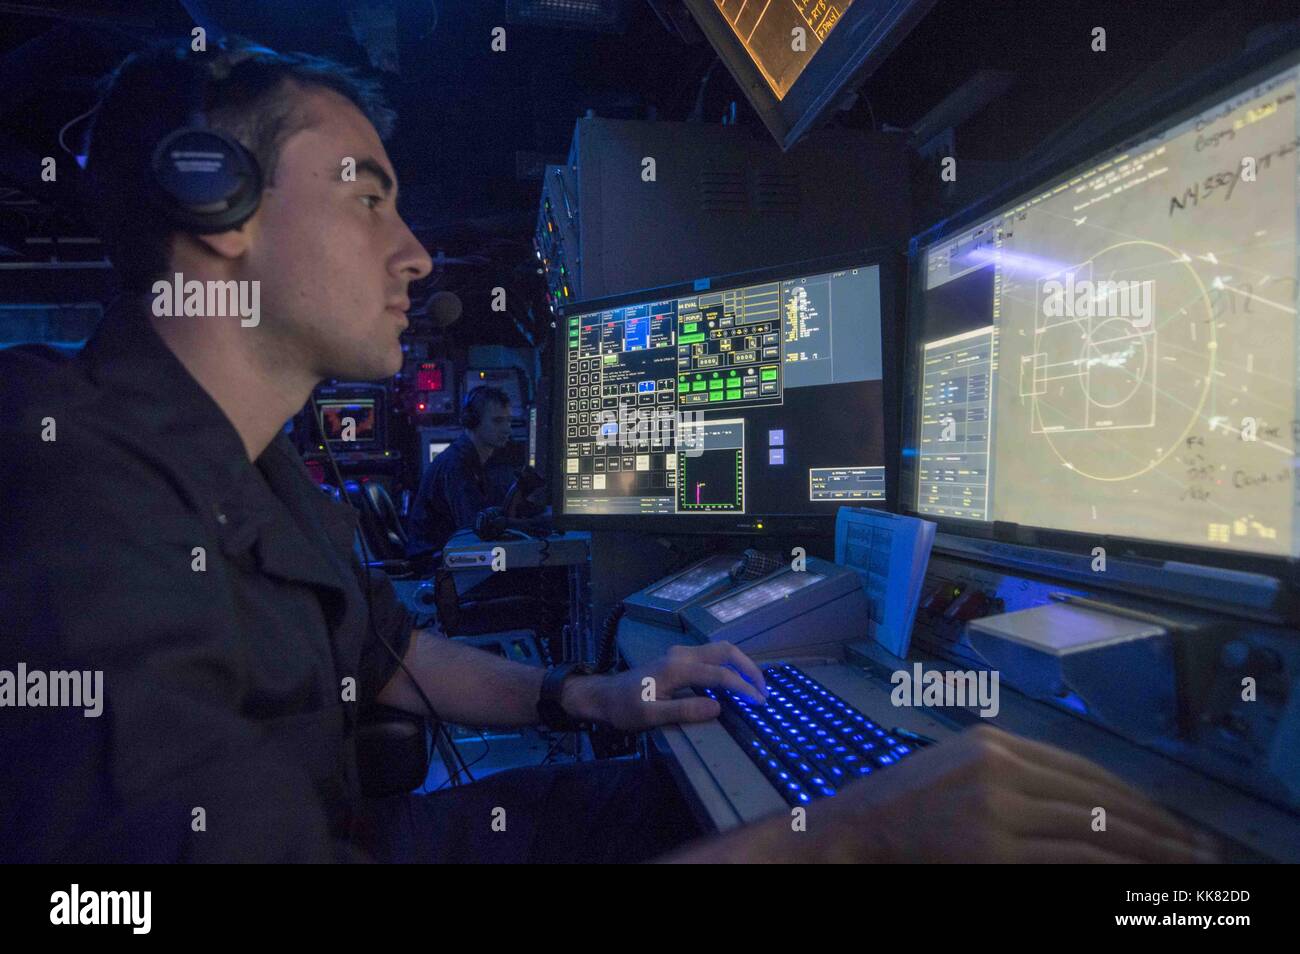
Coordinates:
[733,395]
[715,385]
[699,386]
[689,327]
[690,339]
[715,396]
[769,374]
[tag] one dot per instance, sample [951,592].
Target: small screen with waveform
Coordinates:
[1116,352]
[347,422]
[766,31]
[762,399]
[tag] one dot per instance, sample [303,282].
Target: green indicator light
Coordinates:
[769,374]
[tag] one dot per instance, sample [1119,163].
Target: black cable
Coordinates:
[608,650]
[556,744]
[370,614]
[487,748]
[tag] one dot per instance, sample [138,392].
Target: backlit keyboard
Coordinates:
[807,741]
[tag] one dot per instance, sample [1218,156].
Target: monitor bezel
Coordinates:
[890,263]
[852,51]
[1183,102]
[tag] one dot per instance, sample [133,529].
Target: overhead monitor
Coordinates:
[795,59]
[1114,353]
[728,405]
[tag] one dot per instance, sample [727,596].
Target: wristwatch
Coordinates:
[549,709]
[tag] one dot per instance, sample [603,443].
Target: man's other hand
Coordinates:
[983,796]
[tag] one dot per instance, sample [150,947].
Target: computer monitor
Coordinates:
[352,417]
[1112,354]
[796,59]
[733,405]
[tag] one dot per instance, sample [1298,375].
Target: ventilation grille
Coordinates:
[722,189]
[776,193]
[730,189]
[605,16]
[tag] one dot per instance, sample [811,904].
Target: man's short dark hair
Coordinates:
[153,92]
[476,402]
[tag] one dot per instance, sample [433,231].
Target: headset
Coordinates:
[204,180]
[471,408]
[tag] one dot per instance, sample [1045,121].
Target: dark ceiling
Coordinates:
[476,125]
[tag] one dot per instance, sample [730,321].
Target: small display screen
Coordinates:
[428,377]
[746,601]
[348,421]
[695,581]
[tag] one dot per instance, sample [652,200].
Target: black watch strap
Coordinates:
[549,709]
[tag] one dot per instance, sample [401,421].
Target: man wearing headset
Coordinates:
[159,530]
[455,488]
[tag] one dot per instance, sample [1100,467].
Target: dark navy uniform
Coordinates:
[221,598]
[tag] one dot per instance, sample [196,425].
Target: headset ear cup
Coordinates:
[470,410]
[206,181]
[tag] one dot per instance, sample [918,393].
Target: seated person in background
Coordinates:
[455,487]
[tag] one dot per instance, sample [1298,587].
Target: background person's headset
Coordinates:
[472,407]
[204,180]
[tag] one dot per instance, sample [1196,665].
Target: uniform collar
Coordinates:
[154,393]
[267,509]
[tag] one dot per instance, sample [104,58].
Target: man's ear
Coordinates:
[230,244]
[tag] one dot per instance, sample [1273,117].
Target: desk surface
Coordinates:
[717,774]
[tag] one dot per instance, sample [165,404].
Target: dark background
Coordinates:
[476,126]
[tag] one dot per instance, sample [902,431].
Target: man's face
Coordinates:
[494,429]
[333,256]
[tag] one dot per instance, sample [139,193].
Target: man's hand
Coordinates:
[984,796]
[642,698]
